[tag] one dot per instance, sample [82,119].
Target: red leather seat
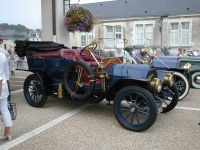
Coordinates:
[70,54]
[90,60]
[75,55]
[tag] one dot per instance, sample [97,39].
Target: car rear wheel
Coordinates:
[34,91]
[182,84]
[135,108]
[196,80]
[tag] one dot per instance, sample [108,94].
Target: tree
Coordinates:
[19,27]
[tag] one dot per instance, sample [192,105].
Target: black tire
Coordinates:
[196,80]
[34,91]
[169,97]
[135,108]
[182,85]
[70,78]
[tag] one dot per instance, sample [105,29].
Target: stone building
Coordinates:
[171,23]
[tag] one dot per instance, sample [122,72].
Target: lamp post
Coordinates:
[160,25]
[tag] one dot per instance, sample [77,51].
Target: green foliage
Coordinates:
[27,39]
[19,27]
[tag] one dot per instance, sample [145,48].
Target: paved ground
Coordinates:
[64,125]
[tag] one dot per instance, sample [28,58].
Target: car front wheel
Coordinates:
[135,108]
[196,80]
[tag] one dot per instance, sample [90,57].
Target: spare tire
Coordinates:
[78,91]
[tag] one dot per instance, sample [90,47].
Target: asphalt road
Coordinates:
[69,125]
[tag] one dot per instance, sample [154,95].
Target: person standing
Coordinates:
[158,52]
[184,52]
[139,56]
[126,56]
[180,52]
[122,53]
[12,63]
[19,62]
[4,93]
[5,52]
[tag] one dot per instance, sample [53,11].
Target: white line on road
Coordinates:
[187,108]
[42,128]
[17,91]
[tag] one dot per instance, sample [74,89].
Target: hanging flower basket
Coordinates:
[79,19]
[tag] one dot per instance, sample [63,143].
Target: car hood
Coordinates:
[166,62]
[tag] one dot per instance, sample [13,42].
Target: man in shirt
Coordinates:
[158,52]
[5,52]
[139,56]
[120,52]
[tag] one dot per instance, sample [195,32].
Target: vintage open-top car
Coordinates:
[138,92]
[193,75]
[166,61]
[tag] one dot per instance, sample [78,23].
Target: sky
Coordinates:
[27,12]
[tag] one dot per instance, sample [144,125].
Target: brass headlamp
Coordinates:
[156,85]
[169,80]
[101,69]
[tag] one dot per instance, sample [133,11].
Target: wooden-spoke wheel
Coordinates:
[34,91]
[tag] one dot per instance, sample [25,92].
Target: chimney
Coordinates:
[27,31]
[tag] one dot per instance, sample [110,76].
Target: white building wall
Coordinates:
[62,35]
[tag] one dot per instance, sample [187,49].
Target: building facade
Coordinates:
[169,23]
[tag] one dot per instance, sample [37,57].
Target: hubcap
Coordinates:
[197,79]
[132,110]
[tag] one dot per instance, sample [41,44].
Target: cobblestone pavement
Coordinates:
[69,125]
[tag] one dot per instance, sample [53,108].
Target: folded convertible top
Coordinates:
[23,48]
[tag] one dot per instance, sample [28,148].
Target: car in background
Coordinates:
[193,58]
[195,53]
[132,48]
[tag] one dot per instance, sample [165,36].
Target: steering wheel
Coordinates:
[86,50]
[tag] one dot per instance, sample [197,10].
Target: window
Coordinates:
[174,34]
[139,34]
[113,33]
[180,34]
[144,31]
[185,34]
[86,38]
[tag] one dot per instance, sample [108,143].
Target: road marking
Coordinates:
[16,91]
[42,128]
[187,108]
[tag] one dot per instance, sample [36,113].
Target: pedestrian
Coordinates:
[4,93]
[12,62]
[5,52]
[158,52]
[19,62]
[120,52]
[180,52]
[140,55]
[184,52]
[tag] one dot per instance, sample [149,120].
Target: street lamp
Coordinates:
[160,25]
[159,22]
